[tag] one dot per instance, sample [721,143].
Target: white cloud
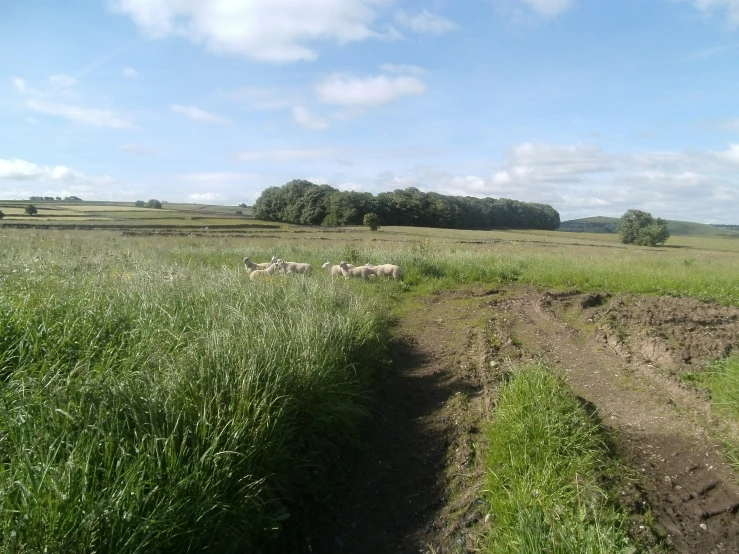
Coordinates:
[205,196]
[728,7]
[426,22]
[94,117]
[307,119]
[199,115]
[730,156]
[133,148]
[280,156]
[22,170]
[219,179]
[129,73]
[265,30]
[347,90]
[541,8]
[21,86]
[403,69]
[62,81]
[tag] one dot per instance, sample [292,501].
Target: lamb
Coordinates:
[334,270]
[387,270]
[251,266]
[259,273]
[364,272]
[294,267]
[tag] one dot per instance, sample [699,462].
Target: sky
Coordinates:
[591,106]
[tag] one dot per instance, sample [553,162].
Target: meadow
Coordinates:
[153,398]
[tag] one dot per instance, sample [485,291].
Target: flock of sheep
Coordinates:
[267,269]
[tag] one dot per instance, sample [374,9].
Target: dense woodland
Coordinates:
[305,203]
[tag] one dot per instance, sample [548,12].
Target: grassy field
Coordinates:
[153,398]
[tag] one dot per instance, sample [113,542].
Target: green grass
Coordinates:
[547,464]
[150,406]
[721,380]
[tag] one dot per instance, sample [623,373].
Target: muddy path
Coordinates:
[418,486]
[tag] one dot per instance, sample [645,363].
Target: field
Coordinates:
[155,398]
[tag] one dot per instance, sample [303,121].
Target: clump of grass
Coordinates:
[546,465]
[146,409]
[721,379]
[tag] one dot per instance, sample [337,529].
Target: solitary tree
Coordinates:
[641,228]
[154,203]
[372,220]
[139,203]
[31,209]
[2,215]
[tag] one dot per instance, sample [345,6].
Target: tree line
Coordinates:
[306,203]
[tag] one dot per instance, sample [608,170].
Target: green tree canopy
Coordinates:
[641,228]
[372,221]
[2,215]
[303,202]
[139,203]
[154,203]
[31,209]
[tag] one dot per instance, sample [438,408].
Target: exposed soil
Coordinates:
[418,488]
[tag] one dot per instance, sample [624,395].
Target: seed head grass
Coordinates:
[149,406]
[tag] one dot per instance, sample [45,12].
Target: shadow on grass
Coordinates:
[394,487]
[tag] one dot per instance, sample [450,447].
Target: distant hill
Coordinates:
[682,228]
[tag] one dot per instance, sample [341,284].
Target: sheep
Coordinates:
[259,273]
[294,267]
[364,272]
[387,270]
[251,266]
[334,270]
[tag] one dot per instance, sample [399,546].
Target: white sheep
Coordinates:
[251,266]
[387,270]
[294,267]
[364,272]
[259,273]
[334,270]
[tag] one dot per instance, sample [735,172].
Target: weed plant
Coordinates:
[150,406]
[546,465]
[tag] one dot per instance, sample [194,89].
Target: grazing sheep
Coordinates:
[294,267]
[259,273]
[334,270]
[251,266]
[364,272]
[387,270]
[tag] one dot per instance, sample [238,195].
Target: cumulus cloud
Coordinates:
[348,90]
[727,8]
[287,155]
[86,116]
[426,22]
[403,69]
[22,170]
[129,73]
[199,115]
[308,119]
[541,8]
[264,30]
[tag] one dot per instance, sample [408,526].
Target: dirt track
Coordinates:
[418,487]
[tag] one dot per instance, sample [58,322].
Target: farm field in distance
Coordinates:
[156,398]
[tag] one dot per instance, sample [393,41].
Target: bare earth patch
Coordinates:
[418,487]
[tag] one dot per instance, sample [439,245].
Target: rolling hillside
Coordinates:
[682,228]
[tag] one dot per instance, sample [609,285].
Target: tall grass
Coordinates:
[546,465]
[147,406]
[721,379]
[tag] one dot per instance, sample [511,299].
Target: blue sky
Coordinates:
[592,106]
